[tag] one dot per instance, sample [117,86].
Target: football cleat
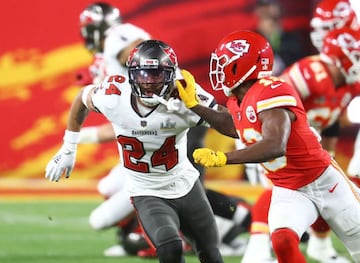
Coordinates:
[115,251]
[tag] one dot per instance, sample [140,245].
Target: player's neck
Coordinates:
[143,108]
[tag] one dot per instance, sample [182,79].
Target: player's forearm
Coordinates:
[262,151]
[218,119]
[77,115]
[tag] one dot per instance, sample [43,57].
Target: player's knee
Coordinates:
[98,221]
[284,240]
[104,189]
[171,252]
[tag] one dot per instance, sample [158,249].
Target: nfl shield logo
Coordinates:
[143,123]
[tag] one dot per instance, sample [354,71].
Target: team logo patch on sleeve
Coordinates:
[250,114]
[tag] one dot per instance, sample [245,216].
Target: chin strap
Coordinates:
[172,104]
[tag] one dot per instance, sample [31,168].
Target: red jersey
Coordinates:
[305,159]
[322,100]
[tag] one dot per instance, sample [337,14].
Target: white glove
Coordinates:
[354,164]
[64,160]
[172,104]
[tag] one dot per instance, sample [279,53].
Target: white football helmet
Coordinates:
[342,48]
[94,21]
[329,15]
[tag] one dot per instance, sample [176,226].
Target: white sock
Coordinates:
[258,249]
[320,248]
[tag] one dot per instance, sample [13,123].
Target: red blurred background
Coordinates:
[41,50]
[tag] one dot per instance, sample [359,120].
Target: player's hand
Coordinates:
[209,158]
[187,93]
[62,163]
[64,160]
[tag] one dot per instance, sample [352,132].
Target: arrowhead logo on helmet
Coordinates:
[239,47]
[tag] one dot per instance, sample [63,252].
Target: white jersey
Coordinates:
[152,148]
[117,38]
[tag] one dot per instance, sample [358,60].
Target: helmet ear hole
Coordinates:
[234,68]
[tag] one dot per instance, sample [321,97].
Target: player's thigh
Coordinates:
[158,218]
[198,221]
[291,209]
[338,193]
[342,207]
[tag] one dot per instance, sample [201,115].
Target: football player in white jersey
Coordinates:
[150,124]
[101,21]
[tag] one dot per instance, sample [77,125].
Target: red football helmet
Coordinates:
[240,56]
[342,48]
[329,15]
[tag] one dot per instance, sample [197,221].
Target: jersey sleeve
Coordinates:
[106,93]
[206,99]
[275,93]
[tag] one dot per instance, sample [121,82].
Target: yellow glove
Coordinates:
[187,93]
[209,158]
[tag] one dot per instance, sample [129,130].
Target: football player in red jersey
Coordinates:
[326,84]
[326,88]
[271,120]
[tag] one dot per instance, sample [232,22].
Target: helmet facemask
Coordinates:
[152,69]
[148,84]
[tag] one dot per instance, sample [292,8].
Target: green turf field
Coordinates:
[58,232]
